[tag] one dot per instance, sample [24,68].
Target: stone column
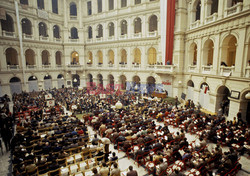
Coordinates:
[216,58]
[239,56]
[234,107]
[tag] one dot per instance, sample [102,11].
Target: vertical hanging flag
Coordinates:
[170,31]
[205,89]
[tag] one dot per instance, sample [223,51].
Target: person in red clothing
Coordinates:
[132,172]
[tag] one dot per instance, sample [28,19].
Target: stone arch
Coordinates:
[100,57]
[111,56]
[45,57]
[74,58]
[222,101]
[111,28]
[153,23]
[123,82]
[228,51]
[124,27]
[208,52]
[8,24]
[193,54]
[26,26]
[137,56]
[11,56]
[152,56]
[30,57]
[151,84]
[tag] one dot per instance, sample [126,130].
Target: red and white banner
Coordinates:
[48,97]
[51,103]
[102,96]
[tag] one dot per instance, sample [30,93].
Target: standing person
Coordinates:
[132,172]
[116,171]
[7,136]
[176,101]
[239,116]
[106,143]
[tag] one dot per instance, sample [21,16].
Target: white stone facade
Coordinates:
[207,33]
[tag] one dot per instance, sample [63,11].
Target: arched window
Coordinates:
[111,56]
[99,4]
[111,29]
[11,56]
[111,4]
[153,23]
[228,53]
[123,3]
[198,11]
[214,7]
[100,31]
[137,25]
[26,26]
[123,81]
[90,35]
[45,57]
[24,2]
[123,56]
[73,9]
[30,57]
[40,4]
[100,57]
[74,58]
[124,27]
[58,58]
[90,57]
[55,6]
[74,33]
[89,7]
[7,25]
[137,56]
[193,54]
[42,29]
[137,2]
[152,56]
[56,31]
[208,51]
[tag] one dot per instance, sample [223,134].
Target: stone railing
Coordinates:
[8,34]
[27,36]
[43,38]
[13,67]
[152,34]
[195,24]
[137,35]
[234,9]
[226,71]
[191,68]
[30,67]
[122,37]
[206,69]
[211,18]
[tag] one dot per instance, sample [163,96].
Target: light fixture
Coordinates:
[118,105]
[62,77]
[247,96]
[136,87]
[76,54]
[75,80]
[34,77]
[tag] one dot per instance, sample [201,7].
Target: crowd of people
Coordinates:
[49,134]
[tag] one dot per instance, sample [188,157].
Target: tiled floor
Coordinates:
[124,162]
